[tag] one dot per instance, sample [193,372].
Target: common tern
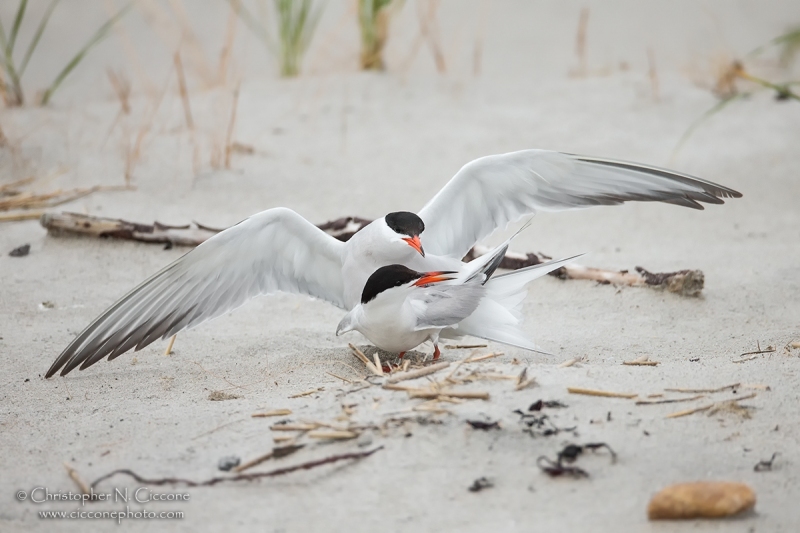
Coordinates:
[278,250]
[401,308]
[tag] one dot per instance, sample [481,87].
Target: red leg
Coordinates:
[388,367]
[436,352]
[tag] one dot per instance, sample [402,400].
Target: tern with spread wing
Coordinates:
[278,250]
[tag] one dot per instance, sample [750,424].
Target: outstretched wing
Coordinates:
[275,250]
[492,191]
[443,305]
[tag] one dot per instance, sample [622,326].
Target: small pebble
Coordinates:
[20,251]
[365,439]
[701,499]
[480,484]
[228,462]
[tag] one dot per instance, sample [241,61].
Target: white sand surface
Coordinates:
[338,142]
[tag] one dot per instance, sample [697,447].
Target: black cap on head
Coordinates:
[385,278]
[405,223]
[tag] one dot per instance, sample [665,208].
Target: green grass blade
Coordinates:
[8,60]
[789,39]
[98,36]
[37,36]
[3,41]
[719,106]
[315,16]
[251,22]
[12,37]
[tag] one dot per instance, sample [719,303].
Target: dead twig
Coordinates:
[413,374]
[673,400]
[170,345]
[294,427]
[73,475]
[332,434]
[307,393]
[688,412]
[642,361]
[273,412]
[716,405]
[483,357]
[19,216]
[430,394]
[276,453]
[464,346]
[51,199]
[769,349]
[76,223]
[595,392]
[241,477]
[705,391]
[7,188]
[363,358]
[523,381]
[340,377]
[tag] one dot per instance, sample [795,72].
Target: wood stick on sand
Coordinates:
[307,392]
[17,216]
[484,357]
[363,358]
[257,461]
[332,434]
[273,412]
[673,400]
[170,345]
[595,392]
[413,374]
[642,361]
[73,475]
[705,391]
[687,412]
[467,395]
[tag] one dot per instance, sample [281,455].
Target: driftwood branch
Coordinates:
[683,282]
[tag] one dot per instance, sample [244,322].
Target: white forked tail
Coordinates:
[497,318]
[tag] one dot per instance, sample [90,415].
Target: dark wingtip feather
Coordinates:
[711,193]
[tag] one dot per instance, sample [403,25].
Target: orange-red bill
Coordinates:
[415,243]
[433,277]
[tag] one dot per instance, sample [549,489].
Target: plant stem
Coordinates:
[37,36]
[98,36]
[782,90]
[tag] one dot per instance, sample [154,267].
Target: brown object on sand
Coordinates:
[701,499]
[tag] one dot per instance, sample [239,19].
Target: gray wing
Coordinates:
[445,305]
[488,193]
[275,250]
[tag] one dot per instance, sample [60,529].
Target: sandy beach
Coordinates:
[336,141]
